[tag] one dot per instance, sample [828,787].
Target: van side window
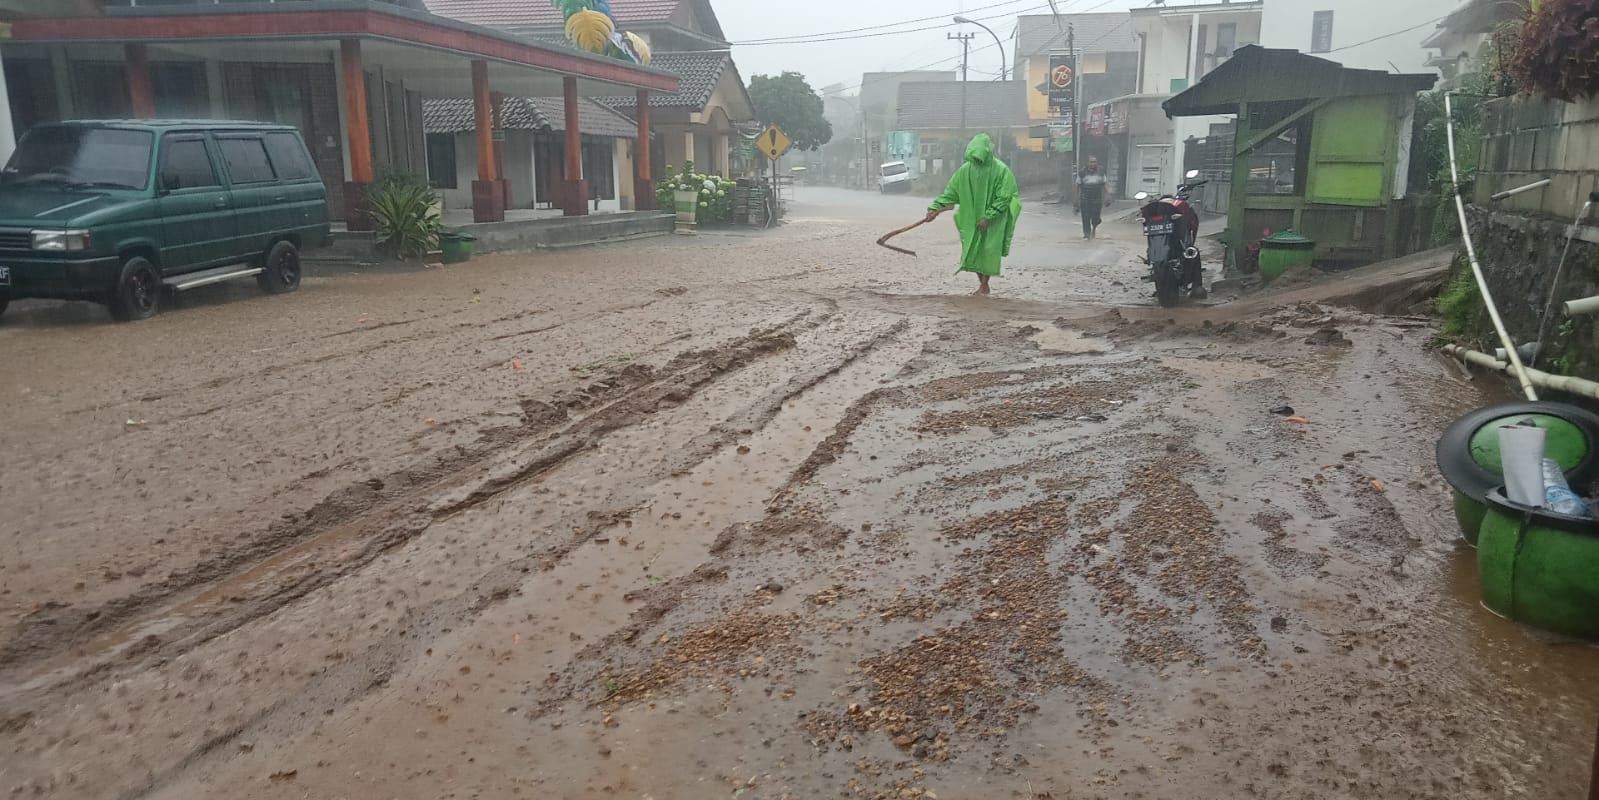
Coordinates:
[247,160]
[186,165]
[289,157]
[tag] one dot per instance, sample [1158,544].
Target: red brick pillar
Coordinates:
[141,84]
[488,197]
[643,171]
[357,212]
[576,200]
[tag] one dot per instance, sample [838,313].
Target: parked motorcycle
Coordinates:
[1171,224]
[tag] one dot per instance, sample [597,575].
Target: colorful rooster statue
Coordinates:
[591,28]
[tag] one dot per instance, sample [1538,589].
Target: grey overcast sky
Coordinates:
[905,47]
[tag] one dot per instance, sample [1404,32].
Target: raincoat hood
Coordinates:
[981,149]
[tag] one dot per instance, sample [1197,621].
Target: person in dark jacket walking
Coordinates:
[1091,196]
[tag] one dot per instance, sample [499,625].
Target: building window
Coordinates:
[180,90]
[598,168]
[1226,40]
[1321,32]
[441,160]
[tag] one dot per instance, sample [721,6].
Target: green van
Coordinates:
[118,212]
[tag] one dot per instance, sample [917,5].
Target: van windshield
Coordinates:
[81,158]
[894,169]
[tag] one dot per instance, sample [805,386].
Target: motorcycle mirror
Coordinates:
[1141,196]
[1192,174]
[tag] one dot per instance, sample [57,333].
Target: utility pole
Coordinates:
[966,51]
[1077,104]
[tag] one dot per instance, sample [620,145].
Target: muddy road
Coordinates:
[762,515]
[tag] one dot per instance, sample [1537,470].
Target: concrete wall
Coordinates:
[1521,240]
[518,169]
[1528,139]
[1362,35]
[1169,41]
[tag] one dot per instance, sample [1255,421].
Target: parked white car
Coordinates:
[894,177]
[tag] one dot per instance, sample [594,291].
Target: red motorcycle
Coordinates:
[1171,224]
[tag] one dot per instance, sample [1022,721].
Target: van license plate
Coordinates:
[1157,228]
[5,276]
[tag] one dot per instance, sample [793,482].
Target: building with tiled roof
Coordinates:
[702,120]
[529,147]
[665,24]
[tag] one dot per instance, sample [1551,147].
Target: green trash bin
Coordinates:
[1283,251]
[1540,568]
[456,247]
[1468,452]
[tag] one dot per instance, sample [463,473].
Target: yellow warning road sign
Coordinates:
[773,142]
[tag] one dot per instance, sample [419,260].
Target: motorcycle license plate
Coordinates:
[1157,228]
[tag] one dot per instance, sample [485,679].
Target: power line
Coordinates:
[766,39]
[1387,35]
[877,34]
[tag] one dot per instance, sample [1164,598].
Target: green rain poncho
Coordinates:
[982,188]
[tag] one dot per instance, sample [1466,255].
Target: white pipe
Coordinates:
[1560,271]
[1587,305]
[1528,351]
[1559,383]
[1508,193]
[1476,266]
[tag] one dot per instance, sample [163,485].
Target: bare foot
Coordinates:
[982,291]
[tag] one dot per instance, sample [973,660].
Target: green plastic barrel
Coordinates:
[456,247]
[1540,568]
[1468,452]
[1283,251]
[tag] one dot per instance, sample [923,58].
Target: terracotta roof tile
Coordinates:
[540,13]
[527,114]
[697,74]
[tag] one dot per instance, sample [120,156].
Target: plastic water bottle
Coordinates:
[1557,494]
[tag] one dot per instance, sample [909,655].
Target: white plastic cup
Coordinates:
[1521,453]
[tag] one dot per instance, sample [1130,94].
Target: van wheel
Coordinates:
[282,269]
[137,294]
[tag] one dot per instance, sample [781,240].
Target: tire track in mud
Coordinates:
[374,515]
[372,669]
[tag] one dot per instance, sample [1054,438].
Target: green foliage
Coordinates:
[1430,146]
[1558,50]
[790,103]
[715,193]
[1459,304]
[405,213]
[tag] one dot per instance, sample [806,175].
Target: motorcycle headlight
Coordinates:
[61,241]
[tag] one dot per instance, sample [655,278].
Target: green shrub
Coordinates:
[405,215]
[715,193]
[1459,304]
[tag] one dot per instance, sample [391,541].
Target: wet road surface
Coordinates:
[753,514]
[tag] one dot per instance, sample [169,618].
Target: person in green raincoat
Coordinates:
[987,203]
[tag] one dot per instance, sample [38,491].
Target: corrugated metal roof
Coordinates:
[1257,74]
[528,114]
[1093,33]
[540,13]
[925,105]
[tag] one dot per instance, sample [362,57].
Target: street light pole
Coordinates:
[1004,66]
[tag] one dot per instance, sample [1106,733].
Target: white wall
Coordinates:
[518,169]
[1287,24]
[1169,37]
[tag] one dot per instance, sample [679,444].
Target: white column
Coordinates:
[1193,50]
[722,157]
[8,134]
[688,148]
